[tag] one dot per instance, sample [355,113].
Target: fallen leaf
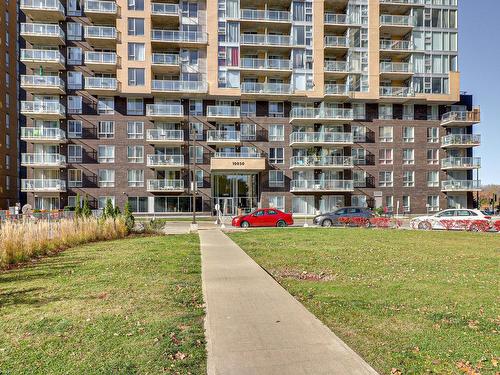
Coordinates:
[180,356]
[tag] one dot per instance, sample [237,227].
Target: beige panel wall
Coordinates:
[237,164]
[318,50]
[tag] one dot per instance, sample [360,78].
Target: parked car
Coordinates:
[332,218]
[265,217]
[447,218]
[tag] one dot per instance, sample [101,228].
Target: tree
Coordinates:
[117,212]
[129,218]
[86,211]
[78,208]
[109,210]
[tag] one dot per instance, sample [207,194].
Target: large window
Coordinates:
[136,51]
[106,154]
[276,133]
[135,106]
[135,154]
[74,104]
[199,154]
[432,178]
[385,179]
[136,26]
[408,179]
[106,129]
[433,202]
[74,154]
[101,201]
[408,156]
[106,178]
[433,135]
[74,129]
[138,204]
[385,156]
[75,178]
[135,178]
[276,109]
[136,76]
[135,4]
[135,130]
[386,134]
[276,155]
[105,105]
[276,178]
[408,134]
[277,201]
[248,109]
[432,156]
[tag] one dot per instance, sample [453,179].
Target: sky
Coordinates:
[479,64]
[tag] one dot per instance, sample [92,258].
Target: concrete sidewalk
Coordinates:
[254,326]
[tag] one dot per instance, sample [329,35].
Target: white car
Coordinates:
[443,219]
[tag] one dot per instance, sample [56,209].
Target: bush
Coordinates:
[86,211]
[127,215]
[496,224]
[380,222]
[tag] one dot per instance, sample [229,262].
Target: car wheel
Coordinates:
[244,224]
[424,225]
[281,224]
[326,223]
[367,223]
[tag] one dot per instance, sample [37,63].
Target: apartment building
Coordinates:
[296,104]
[8,105]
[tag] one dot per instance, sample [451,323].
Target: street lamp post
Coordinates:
[192,173]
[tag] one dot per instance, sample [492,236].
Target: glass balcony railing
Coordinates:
[336,41]
[265,40]
[43,185]
[274,64]
[322,113]
[461,163]
[35,81]
[396,45]
[101,83]
[165,135]
[42,107]
[178,36]
[46,5]
[461,140]
[400,92]
[460,185]
[223,136]
[223,111]
[42,56]
[265,15]
[167,110]
[321,137]
[36,133]
[336,66]
[42,30]
[396,67]
[336,89]
[266,88]
[165,185]
[321,185]
[108,58]
[461,117]
[237,155]
[165,59]
[321,161]
[339,19]
[97,6]
[403,2]
[160,160]
[100,32]
[164,9]
[175,86]
[389,20]
[43,159]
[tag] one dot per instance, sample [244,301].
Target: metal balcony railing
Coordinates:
[165,135]
[402,2]
[336,89]
[178,36]
[265,15]
[42,81]
[42,56]
[266,88]
[223,136]
[100,32]
[321,137]
[43,159]
[461,116]
[43,185]
[390,20]
[265,40]
[402,92]
[101,83]
[336,41]
[396,67]
[92,57]
[451,185]
[277,64]
[339,19]
[42,29]
[165,185]
[461,139]
[36,133]
[185,86]
[164,9]
[223,111]
[160,160]
[97,6]
[461,162]
[237,155]
[42,107]
[48,5]
[321,185]
[321,161]
[173,110]
[396,45]
[165,59]
[322,113]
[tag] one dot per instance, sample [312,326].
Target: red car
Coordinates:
[265,217]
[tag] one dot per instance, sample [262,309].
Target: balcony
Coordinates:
[221,113]
[165,186]
[160,161]
[265,16]
[42,33]
[461,118]
[49,59]
[396,70]
[43,185]
[460,163]
[321,162]
[179,38]
[161,136]
[268,89]
[339,22]
[397,49]
[237,161]
[101,61]
[172,112]
[399,6]
[321,115]
[396,25]
[340,69]
[460,140]
[461,185]
[401,93]
[184,87]
[165,13]
[223,137]
[336,42]
[43,135]
[46,10]
[265,40]
[302,139]
[42,84]
[321,185]
[43,110]
[101,85]
[101,11]
[337,90]
[101,36]
[165,62]
[43,160]
[266,65]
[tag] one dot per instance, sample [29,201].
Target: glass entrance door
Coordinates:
[226,206]
[236,193]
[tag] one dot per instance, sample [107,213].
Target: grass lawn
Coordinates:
[123,307]
[408,301]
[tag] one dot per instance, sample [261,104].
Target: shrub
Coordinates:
[127,215]
[496,224]
[380,222]
[109,210]
[78,209]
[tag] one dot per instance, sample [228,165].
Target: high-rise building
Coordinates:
[9,170]
[296,104]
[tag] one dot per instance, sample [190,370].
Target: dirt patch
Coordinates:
[302,275]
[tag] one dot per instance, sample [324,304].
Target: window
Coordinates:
[74,129]
[408,156]
[432,156]
[101,201]
[106,129]
[105,105]
[136,77]
[189,9]
[276,109]
[74,56]
[135,4]
[138,204]
[196,107]
[406,203]
[135,106]
[433,202]
[248,132]
[75,154]
[199,154]
[75,178]
[248,109]
[385,179]
[359,133]
[385,156]
[359,178]
[276,178]
[276,155]
[7,182]
[408,134]
[199,178]
[385,111]
[136,26]
[408,111]
[196,129]
[408,179]
[106,178]
[106,154]
[7,140]
[135,130]
[359,110]
[389,203]
[136,51]
[74,104]
[135,178]
[276,133]
[74,30]
[75,80]
[7,161]
[385,134]
[135,154]
[72,201]
[358,156]
[432,135]
[432,178]
[359,201]
[277,201]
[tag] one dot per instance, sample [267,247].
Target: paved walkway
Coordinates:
[254,326]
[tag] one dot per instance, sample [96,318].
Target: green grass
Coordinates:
[418,302]
[122,307]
